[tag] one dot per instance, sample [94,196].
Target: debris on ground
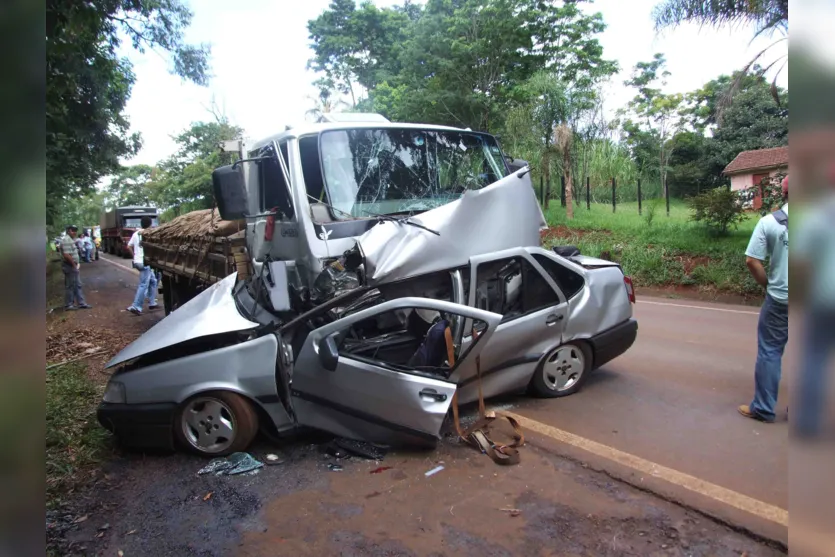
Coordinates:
[381,469]
[271,459]
[208,496]
[334,450]
[232,465]
[512,512]
[434,471]
[335,467]
[61,347]
[363,449]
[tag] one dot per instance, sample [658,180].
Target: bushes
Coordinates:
[718,209]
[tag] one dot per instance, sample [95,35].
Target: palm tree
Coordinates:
[324,104]
[767,16]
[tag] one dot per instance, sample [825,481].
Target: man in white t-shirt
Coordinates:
[147,279]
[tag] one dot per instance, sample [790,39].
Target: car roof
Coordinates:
[308,129]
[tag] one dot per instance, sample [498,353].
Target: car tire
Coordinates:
[563,371]
[202,420]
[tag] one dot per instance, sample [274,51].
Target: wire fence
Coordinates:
[610,192]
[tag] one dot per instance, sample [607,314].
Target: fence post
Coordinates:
[562,190]
[614,201]
[588,194]
[542,191]
[639,196]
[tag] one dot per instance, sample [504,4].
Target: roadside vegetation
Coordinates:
[656,250]
[74,440]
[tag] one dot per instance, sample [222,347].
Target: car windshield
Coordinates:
[391,171]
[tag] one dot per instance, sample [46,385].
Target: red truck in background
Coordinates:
[119,224]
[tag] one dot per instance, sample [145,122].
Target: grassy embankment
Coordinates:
[662,251]
[74,440]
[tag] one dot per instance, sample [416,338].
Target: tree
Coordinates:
[657,116]
[132,185]
[751,121]
[358,46]
[457,62]
[324,103]
[185,179]
[767,16]
[88,85]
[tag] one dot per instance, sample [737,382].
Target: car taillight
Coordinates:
[630,288]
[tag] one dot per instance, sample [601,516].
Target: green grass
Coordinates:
[74,439]
[671,251]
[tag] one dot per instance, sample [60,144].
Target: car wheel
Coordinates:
[563,371]
[216,424]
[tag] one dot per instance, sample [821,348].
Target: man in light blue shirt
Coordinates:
[770,241]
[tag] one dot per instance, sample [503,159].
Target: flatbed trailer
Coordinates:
[189,263]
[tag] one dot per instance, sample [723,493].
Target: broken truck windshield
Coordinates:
[390,171]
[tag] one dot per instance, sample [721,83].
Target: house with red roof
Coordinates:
[750,167]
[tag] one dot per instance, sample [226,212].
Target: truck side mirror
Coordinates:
[230,192]
[516,164]
[328,352]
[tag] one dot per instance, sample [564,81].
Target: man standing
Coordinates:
[147,278]
[88,247]
[71,265]
[770,240]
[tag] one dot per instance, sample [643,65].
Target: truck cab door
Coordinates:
[269,189]
[368,376]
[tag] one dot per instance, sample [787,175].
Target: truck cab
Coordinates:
[119,224]
[307,193]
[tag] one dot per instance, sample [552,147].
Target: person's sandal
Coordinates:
[134,310]
[155,306]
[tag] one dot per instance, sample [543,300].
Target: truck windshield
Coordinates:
[136,222]
[390,171]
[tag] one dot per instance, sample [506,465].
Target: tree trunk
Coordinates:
[546,171]
[569,195]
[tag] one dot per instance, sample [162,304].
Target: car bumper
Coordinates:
[141,426]
[610,344]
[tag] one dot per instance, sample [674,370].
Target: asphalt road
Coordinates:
[672,399]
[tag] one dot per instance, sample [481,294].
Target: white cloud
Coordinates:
[260,49]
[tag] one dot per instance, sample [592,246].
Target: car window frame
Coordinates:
[509,254]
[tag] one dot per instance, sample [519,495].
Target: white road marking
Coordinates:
[124,267]
[691,483]
[698,307]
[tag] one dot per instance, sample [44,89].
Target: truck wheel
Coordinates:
[216,424]
[563,371]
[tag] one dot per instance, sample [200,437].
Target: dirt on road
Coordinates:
[315,504]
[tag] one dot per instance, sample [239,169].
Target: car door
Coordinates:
[531,324]
[351,383]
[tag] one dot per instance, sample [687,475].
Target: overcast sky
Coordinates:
[260,49]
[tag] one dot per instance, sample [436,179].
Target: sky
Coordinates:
[260,49]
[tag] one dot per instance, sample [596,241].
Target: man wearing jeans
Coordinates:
[147,279]
[71,265]
[770,240]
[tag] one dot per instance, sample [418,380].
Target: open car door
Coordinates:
[381,374]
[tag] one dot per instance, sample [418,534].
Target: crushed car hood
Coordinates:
[503,215]
[211,312]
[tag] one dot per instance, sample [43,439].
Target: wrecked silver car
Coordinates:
[393,266]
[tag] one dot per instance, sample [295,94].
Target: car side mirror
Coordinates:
[230,192]
[328,353]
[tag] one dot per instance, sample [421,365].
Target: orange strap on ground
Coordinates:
[477,434]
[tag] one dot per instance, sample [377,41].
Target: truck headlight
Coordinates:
[114,392]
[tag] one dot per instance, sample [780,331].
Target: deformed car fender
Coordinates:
[247,368]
